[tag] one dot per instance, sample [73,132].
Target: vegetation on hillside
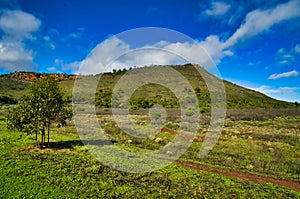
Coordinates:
[144,97]
[12,87]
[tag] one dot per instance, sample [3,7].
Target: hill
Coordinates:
[237,97]
[13,85]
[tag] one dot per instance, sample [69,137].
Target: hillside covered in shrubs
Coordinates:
[13,85]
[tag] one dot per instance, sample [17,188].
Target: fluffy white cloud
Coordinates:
[256,22]
[16,26]
[217,9]
[105,56]
[282,75]
[14,57]
[259,21]
[113,53]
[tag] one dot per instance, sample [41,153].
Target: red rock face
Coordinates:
[30,76]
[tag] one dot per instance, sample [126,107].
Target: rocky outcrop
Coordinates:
[33,76]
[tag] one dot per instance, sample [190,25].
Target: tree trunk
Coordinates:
[43,136]
[48,134]
[36,132]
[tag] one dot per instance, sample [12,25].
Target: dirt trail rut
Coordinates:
[294,185]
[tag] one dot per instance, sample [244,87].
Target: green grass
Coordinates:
[266,148]
[69,171]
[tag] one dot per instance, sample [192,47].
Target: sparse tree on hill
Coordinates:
[44,104]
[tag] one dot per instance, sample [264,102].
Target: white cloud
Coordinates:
[283,75]
[53,69]
[52,46]
[74,67]
[102,55]
[259,21]
[268,90]
[58,62]
[287,56]
[217,9]
[254,63]
[59,65]
[285,93]
[14,57]
[290,94]
[16,26]
[256,22]
[281,51]
[113,53]
[297,48]
[74,35]
[46,38]
[282,62]
[49,42]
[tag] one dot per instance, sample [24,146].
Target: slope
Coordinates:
[13,85]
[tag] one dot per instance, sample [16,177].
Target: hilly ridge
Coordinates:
[13,85]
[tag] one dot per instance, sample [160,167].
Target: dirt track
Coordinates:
[294,185]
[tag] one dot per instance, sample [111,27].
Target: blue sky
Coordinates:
[255,44]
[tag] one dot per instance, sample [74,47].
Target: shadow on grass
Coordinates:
[2,118]
[71,143]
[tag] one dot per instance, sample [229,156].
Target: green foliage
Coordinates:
[22,117]
[43,104]
[140,103]
[103,98]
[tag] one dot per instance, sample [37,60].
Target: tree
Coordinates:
[45,103]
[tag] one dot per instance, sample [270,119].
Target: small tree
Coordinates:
[44,104]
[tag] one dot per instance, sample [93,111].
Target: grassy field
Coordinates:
[268,149]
